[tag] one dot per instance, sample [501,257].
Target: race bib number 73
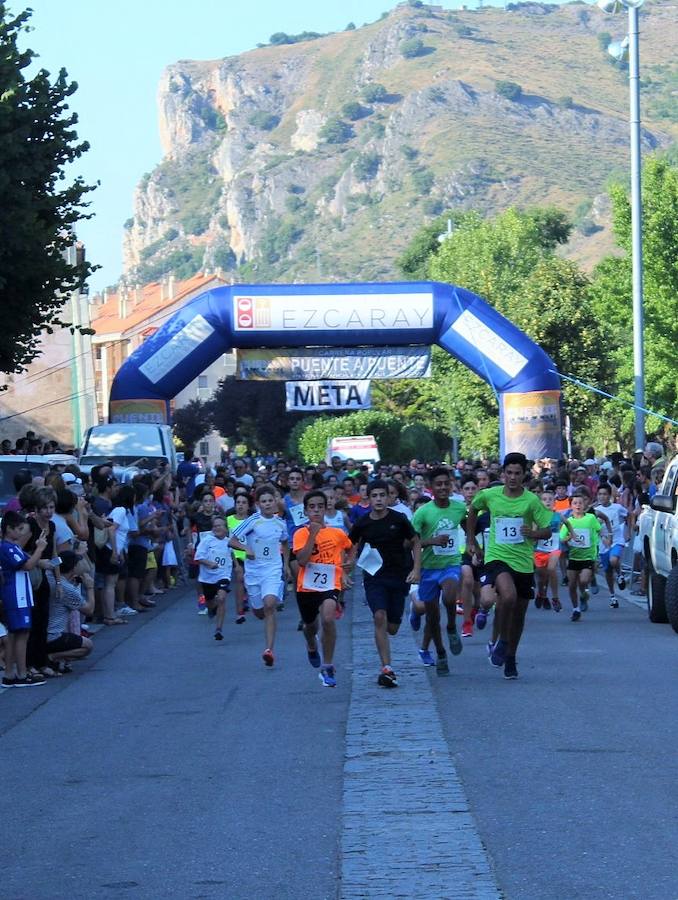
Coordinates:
[318,577]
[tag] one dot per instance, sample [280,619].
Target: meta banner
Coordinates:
[530,424]
[326,396]
[344,363]
[335,312]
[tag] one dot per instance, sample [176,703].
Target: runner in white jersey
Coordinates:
[261,537]
[215,558]
[610,557]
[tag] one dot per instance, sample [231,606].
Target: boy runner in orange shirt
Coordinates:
[321,552]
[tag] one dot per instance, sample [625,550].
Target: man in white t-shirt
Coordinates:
[263,536]
[214,555]
[610,557]
[241,474]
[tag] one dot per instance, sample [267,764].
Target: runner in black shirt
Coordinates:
[392,535]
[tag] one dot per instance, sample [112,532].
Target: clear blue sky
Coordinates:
[116,50]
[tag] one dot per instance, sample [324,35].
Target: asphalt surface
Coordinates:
[173,766]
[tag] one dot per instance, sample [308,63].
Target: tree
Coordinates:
[335,131]
[192,422]
[40,209]
[354,110]
[312,439]
[366,166]
[508,89]
[374,93]
[252,413]
[612,293]
[412,47]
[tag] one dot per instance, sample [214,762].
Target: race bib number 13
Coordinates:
[507,531]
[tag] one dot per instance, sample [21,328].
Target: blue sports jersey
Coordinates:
[16,591]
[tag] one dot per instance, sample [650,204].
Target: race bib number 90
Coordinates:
[318,577]
[507,531]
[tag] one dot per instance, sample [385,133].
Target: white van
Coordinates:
[361,447]
[127,445]
[37,465]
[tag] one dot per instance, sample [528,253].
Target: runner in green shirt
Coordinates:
[582,538]
[517,519]
[437,524]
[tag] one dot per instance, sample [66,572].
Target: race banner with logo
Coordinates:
[329,363]
[325,396]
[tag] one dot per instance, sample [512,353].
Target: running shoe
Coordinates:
[576,615]
[126,612]
[621,582]
[415,618]
[8,682]
[489,648]
[594,587]
[481,619]
[218,636]
[30,681]
[510,671]
[614,603]
[268,657]
[584,601]
[387,678]
[460,609]
[467,629]
[442,667]
[314,658]
[556,604]
[454,641]
[326,676]
[564,581]
[240,620]
[201,600]
[426,658]
[547,603]
[498,655]
[539,601]
[201,612]
[280,607]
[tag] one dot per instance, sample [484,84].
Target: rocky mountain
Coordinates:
[318,159]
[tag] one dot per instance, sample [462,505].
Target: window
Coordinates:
[204,448]
[202,382]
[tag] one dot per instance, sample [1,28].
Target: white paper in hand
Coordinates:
[370,560]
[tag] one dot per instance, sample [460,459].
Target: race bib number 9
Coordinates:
[582,538]
[318,577]
[547,544]
[451,547]
[507,531]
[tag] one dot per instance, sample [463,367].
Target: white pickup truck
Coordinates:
[658,530]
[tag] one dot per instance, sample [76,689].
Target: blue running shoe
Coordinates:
[415,618]
[594,587]
[426,658]
[481,619]
[314,658]
[498,655]
[454,641]
[326,676]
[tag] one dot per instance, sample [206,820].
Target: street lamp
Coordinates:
[619,49]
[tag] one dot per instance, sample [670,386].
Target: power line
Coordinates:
[590,387]
[44,405]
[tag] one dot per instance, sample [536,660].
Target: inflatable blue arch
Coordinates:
[349,315]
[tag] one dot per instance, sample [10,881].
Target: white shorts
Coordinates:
[262,584]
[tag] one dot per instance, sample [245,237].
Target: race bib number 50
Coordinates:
[582,538]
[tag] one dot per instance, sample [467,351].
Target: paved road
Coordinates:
[176,767]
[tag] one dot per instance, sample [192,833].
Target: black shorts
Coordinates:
[136,561]
[578,565]
[309,603]
[387,594]
[64,643]
[103,564]
[467,560]
[211,589]
[524,581]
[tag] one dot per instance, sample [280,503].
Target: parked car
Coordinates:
[37,465]
[128,446]
[658,531]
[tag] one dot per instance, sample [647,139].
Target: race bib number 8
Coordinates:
[507,531]
[450,548]
[266,551]
[582,538]
[318,577]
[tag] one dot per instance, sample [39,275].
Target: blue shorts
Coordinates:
[17,619]
[615,550]
[430,583]
[387,594]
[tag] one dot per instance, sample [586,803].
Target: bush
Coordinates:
[463,31]
[327,184]
[310,441]
[129,223]
[412,47]
[432,207]
[350,27]
[293,203]
[566,102]
[409,152]
[263,120]
[354,110]
[223,256]
[374,93]
[508,89]
[335,131]
[171,234]
[295,189]
[366,166]
[196,221]
[423,180]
